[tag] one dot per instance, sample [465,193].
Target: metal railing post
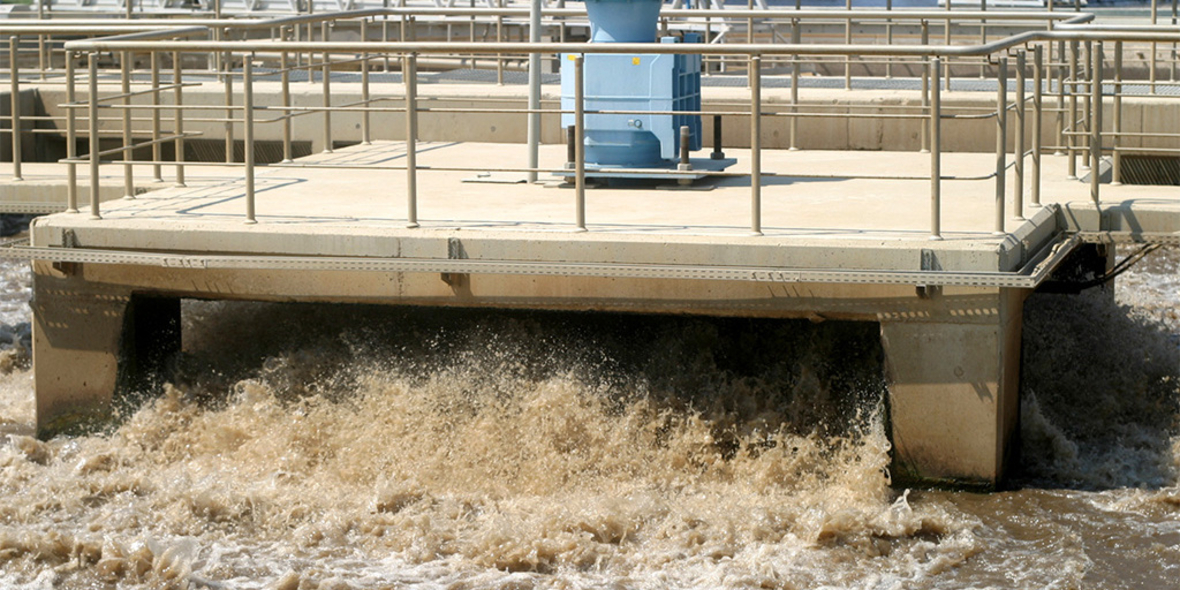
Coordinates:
[228,61]
[327,101]
[947,41]
[848,41]
[935,149]
[44,61]
[248,133]
[1151,66]
[1116,157]
[1072,124]
[1087,110]
[1018,183]
[924,140]
[366,134]
[1038,112]
[297,36]
[755,145]
[1096,122]
[889,40]
[1001,140]
[92,88]
[128,156]
[500,39]
[410,78]
[14,106]
[579,143]
[533,123]
[178,115]
[157,149]
[385,37]
[794,130]
[71,136]
[285,82]
[1060,114]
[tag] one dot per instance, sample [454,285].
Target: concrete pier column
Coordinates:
[93,341]
[954,379]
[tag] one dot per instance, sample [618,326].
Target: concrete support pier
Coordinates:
[954,391]
[91,340]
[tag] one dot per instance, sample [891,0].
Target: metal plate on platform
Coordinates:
[498,178]
[670,173]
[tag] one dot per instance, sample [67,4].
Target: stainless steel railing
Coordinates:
[1079,92]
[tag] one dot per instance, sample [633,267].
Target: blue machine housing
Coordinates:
[644,82]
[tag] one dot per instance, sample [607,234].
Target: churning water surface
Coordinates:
[304,447]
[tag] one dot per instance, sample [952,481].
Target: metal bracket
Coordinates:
[929,263]
[455,251]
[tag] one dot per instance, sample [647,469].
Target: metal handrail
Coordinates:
[153,42]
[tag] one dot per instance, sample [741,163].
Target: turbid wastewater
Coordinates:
[345,447]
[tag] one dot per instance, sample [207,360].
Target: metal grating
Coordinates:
[1157,170]
[265,152]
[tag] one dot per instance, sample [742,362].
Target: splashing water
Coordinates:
[345,447]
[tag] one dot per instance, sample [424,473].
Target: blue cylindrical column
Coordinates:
[623,21]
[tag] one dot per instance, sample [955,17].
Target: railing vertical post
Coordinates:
[1087,109]
[1038,112]
[1072,123]
[366,127]
[285,82]
[1060,119]
[71,136]
[178,122]
[1116,165]
[1154,48]
[14,104]
[327,101]
[248,133]
[848,41]
[157,149]
[385,37]
[92,88]
[756,145]
[311,55]
[533,124]
[947,41]
[1096,122]
[925,131]
[410,78]
[1172,59]
[889,39]
[500,39]
[128,156]
[43,61]
[1001,140]
[228,61]
[935,149]
[579,143]
[795,33]
[1018,183]
[297,36]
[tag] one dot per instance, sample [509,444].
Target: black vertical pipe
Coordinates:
[717,153]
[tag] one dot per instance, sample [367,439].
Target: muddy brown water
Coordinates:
[326,447]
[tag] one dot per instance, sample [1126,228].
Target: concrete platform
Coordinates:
[332,227]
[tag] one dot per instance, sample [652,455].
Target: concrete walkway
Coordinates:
[820,209]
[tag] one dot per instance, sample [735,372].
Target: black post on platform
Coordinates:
[717,153]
